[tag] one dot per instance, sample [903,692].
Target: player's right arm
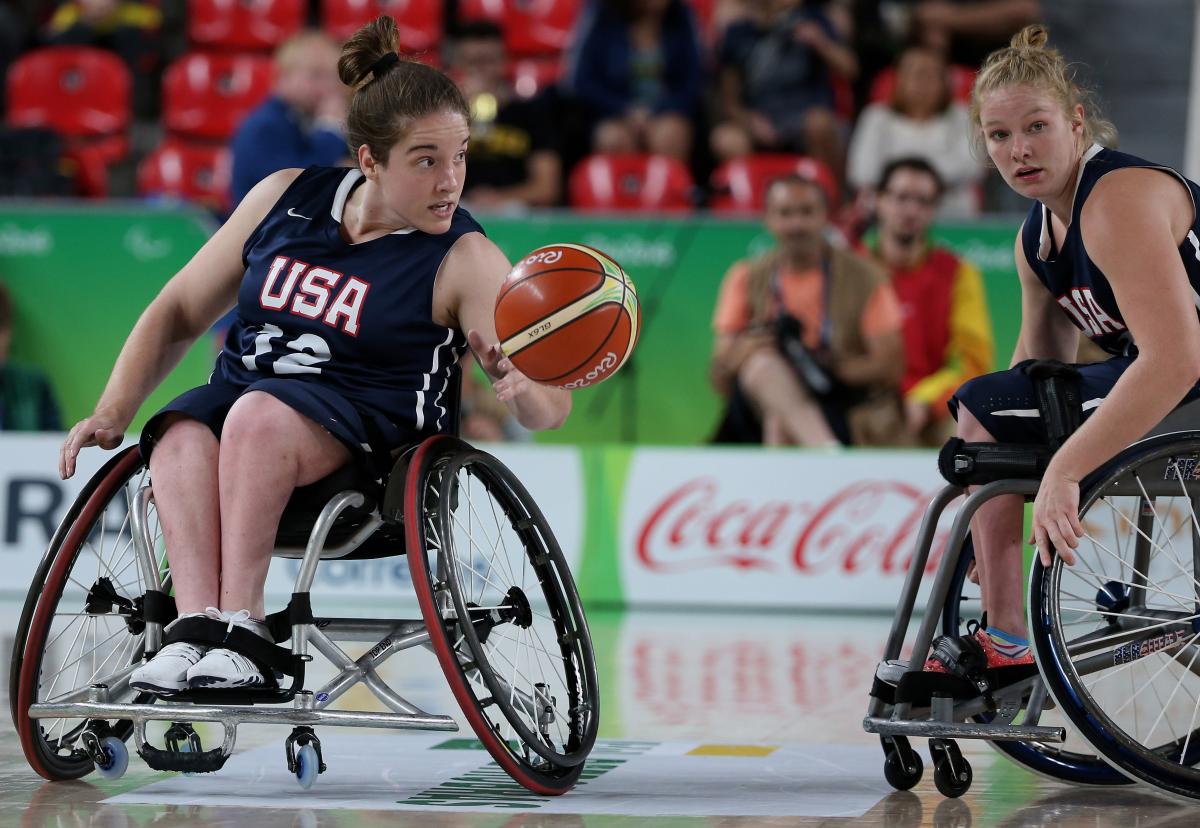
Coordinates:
[1046,333]
[187,306]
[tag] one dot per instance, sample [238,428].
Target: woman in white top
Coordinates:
[921,120]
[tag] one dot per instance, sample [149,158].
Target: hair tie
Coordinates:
[379,67]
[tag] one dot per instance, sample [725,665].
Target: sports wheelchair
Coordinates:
[1115,696]
[499,608]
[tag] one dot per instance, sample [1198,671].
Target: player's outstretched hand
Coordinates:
[101,429]
[507,381]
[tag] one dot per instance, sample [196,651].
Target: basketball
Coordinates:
[567,316]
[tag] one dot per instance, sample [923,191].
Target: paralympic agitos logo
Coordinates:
[867,526]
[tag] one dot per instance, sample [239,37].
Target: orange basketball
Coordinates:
[567,316]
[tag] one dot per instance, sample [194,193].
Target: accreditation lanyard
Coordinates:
[826,290]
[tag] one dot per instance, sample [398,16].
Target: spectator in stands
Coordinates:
[921,119]
[968,30]
[14,29]
[808,344]
[635,68]
[128,28]
[513,157]
[776,71]
[302,122]
[27,401]
[947,331]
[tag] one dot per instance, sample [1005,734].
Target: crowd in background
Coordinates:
[864,102]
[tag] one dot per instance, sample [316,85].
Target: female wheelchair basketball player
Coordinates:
[1109,247]
[356,290]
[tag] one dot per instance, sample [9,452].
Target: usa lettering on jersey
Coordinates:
[1087,313]
[314,293]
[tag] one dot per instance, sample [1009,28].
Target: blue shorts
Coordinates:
[370,438]
[1005,403]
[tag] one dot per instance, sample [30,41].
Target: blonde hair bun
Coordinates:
[1033,36]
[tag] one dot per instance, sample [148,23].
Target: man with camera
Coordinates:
[808,346]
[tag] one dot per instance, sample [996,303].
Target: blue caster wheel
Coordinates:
[116,758]
[307,766]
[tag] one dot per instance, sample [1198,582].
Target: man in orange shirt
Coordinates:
[947,331]
[808,346]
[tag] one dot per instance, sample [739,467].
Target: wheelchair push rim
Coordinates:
[1117,635]
[527,651]
[72,621]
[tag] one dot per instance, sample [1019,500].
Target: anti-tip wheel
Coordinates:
[307,766]
[116,758]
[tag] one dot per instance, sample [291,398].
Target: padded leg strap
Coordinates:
[267,657]
[969,464]
[298,611]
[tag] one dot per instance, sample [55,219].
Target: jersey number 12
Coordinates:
[303,354]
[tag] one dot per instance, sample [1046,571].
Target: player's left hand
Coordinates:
[507,381]
[1056,526]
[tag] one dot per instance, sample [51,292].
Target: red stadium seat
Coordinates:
[419,21]
[244,24]
[962,79]
[637,183]
[531,27]
[192,172]
[739,185]
[77,91]
[81,93]
[207,95]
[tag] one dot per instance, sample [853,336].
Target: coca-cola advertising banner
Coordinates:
[773,528]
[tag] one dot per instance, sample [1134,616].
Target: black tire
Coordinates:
[897,775]
[450,483]
[952,774]
[1082,641]
[77,557]
[1049,760]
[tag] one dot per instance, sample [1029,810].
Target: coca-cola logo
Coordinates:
[866,526]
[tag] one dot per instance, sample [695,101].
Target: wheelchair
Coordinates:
[498,607]
[1115,697]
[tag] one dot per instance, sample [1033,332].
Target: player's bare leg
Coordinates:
[267,450]
[996,533]
[183,468]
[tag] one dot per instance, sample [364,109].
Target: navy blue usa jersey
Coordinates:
[1074,280]
[355,318]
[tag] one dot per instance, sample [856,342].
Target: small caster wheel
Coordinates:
[307,766]
[951,772]
[902,766]
[900,775]
[115,759]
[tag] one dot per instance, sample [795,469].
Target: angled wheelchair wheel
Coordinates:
[81,624]
[1071,762]
[1117,635]
[503,613]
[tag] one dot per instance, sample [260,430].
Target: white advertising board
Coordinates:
[783,529]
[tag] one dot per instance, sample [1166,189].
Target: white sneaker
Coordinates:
[167,672]
[223,668]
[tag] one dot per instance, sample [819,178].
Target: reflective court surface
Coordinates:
[710,718]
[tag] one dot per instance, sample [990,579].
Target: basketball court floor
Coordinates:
[708,718]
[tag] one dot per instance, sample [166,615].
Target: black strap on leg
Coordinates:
[267,657]
[1058,396]
[971,464]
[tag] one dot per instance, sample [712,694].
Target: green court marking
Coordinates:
[492,787]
